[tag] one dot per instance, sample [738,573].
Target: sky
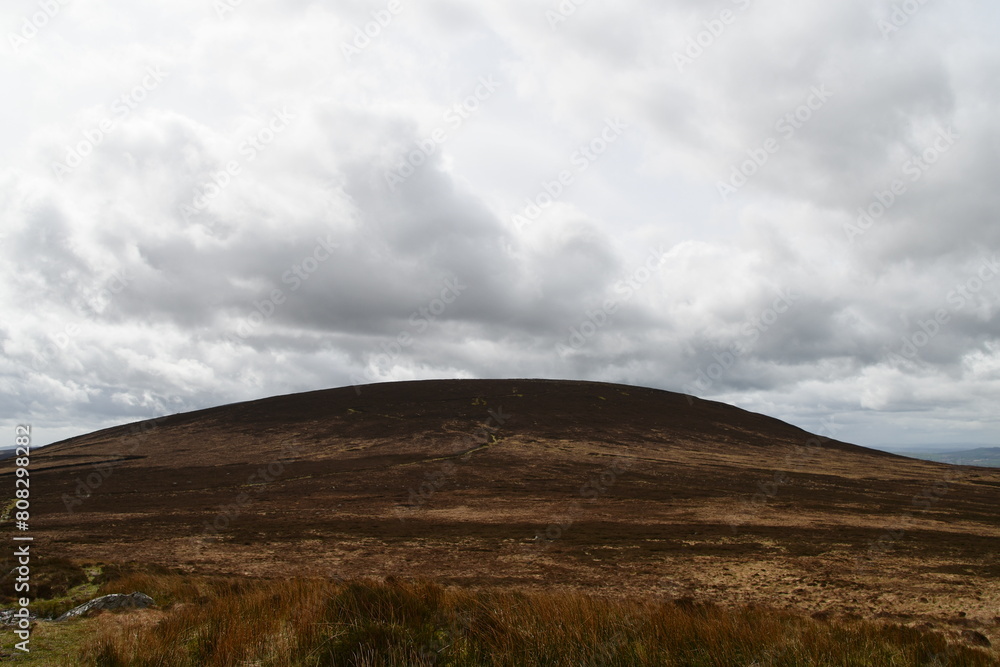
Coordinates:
[786,206]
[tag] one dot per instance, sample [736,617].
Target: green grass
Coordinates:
[312,622]
[57,585]
[52,644]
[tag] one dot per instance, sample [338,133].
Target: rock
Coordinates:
[7,617]
[113,602]
[976,638]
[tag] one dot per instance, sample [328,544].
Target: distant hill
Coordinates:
[983,456]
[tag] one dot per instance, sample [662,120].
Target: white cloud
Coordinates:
[299,265]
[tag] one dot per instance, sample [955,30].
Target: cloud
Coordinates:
[229,219]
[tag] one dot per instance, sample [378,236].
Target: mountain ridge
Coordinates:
[528,483]
[307,404]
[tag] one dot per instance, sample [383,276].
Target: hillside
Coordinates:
[534,483]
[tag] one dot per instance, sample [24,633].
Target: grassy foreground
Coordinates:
[241,621]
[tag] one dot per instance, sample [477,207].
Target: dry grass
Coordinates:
[311,622]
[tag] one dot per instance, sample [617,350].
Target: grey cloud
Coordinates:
[173,337]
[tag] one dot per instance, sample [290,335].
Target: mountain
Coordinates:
[536,483]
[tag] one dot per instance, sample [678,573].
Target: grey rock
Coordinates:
[7,617]
[113,602]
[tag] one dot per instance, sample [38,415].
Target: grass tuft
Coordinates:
[312,622]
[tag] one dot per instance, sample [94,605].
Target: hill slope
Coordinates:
[531,482]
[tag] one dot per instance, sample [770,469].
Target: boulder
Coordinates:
[7,617]
[113,602]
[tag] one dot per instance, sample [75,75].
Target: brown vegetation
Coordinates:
[366,623]
[624,492]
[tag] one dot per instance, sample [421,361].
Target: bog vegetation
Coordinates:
[242,621]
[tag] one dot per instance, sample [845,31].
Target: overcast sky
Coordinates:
[787,206]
